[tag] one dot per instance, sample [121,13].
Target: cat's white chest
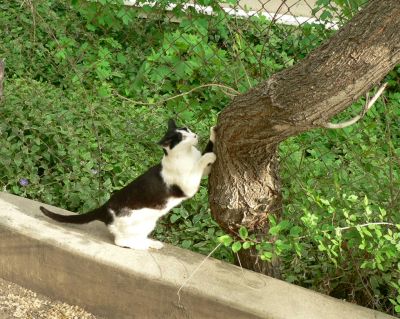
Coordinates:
[182,171]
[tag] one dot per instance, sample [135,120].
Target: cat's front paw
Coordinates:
[212,134]
[209,158]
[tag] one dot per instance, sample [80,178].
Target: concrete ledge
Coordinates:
[80,265]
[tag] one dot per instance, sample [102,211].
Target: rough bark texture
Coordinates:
[244,184]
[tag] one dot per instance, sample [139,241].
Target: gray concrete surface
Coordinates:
[17,302]
[81,266]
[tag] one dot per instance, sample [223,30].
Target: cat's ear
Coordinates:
[171,125]
[164,142]
[167,139]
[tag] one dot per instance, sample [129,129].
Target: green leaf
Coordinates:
[321,247]
[274,230]
[284,224]
[187,243]
[267,255]
[243,232]
[103,91]
[295,231]
[366,231]
[325,15]
[246,245]
[236,246]
[184,213]
[352,198]
[186,115]
[282,246]
[324,201]
[225,239]
[121,58]
[174,218]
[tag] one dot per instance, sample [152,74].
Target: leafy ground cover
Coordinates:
[89,89]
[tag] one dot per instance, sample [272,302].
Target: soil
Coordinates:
[18,302]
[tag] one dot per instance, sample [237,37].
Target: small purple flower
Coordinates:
[24,182]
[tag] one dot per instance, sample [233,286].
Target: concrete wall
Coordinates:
[80,265]
[291,12]
[300,8]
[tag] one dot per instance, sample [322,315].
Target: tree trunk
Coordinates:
[244,183]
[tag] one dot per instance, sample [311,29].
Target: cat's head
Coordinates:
[177,138]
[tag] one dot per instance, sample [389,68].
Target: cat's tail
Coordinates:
[100,214]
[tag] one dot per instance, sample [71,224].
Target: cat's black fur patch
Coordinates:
[176,191]
[147,191]
[171,139]
[209,147]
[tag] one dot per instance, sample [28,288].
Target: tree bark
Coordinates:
[244,183]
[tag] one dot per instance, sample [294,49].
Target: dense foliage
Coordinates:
[89,88]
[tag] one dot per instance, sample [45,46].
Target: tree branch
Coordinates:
[355,119]
[366,225]
[224,89]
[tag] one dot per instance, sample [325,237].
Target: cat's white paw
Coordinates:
[209,158]
[155,244]
[139,244]
[212,134]
[133,244]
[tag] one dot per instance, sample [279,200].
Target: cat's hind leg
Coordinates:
[155,244]
[133,229]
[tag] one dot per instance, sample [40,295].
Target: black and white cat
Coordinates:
[131,213]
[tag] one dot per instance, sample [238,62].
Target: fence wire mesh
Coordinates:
[90,86]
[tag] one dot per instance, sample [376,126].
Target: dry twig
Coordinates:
[224,88]
[193,273]
[355,119]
